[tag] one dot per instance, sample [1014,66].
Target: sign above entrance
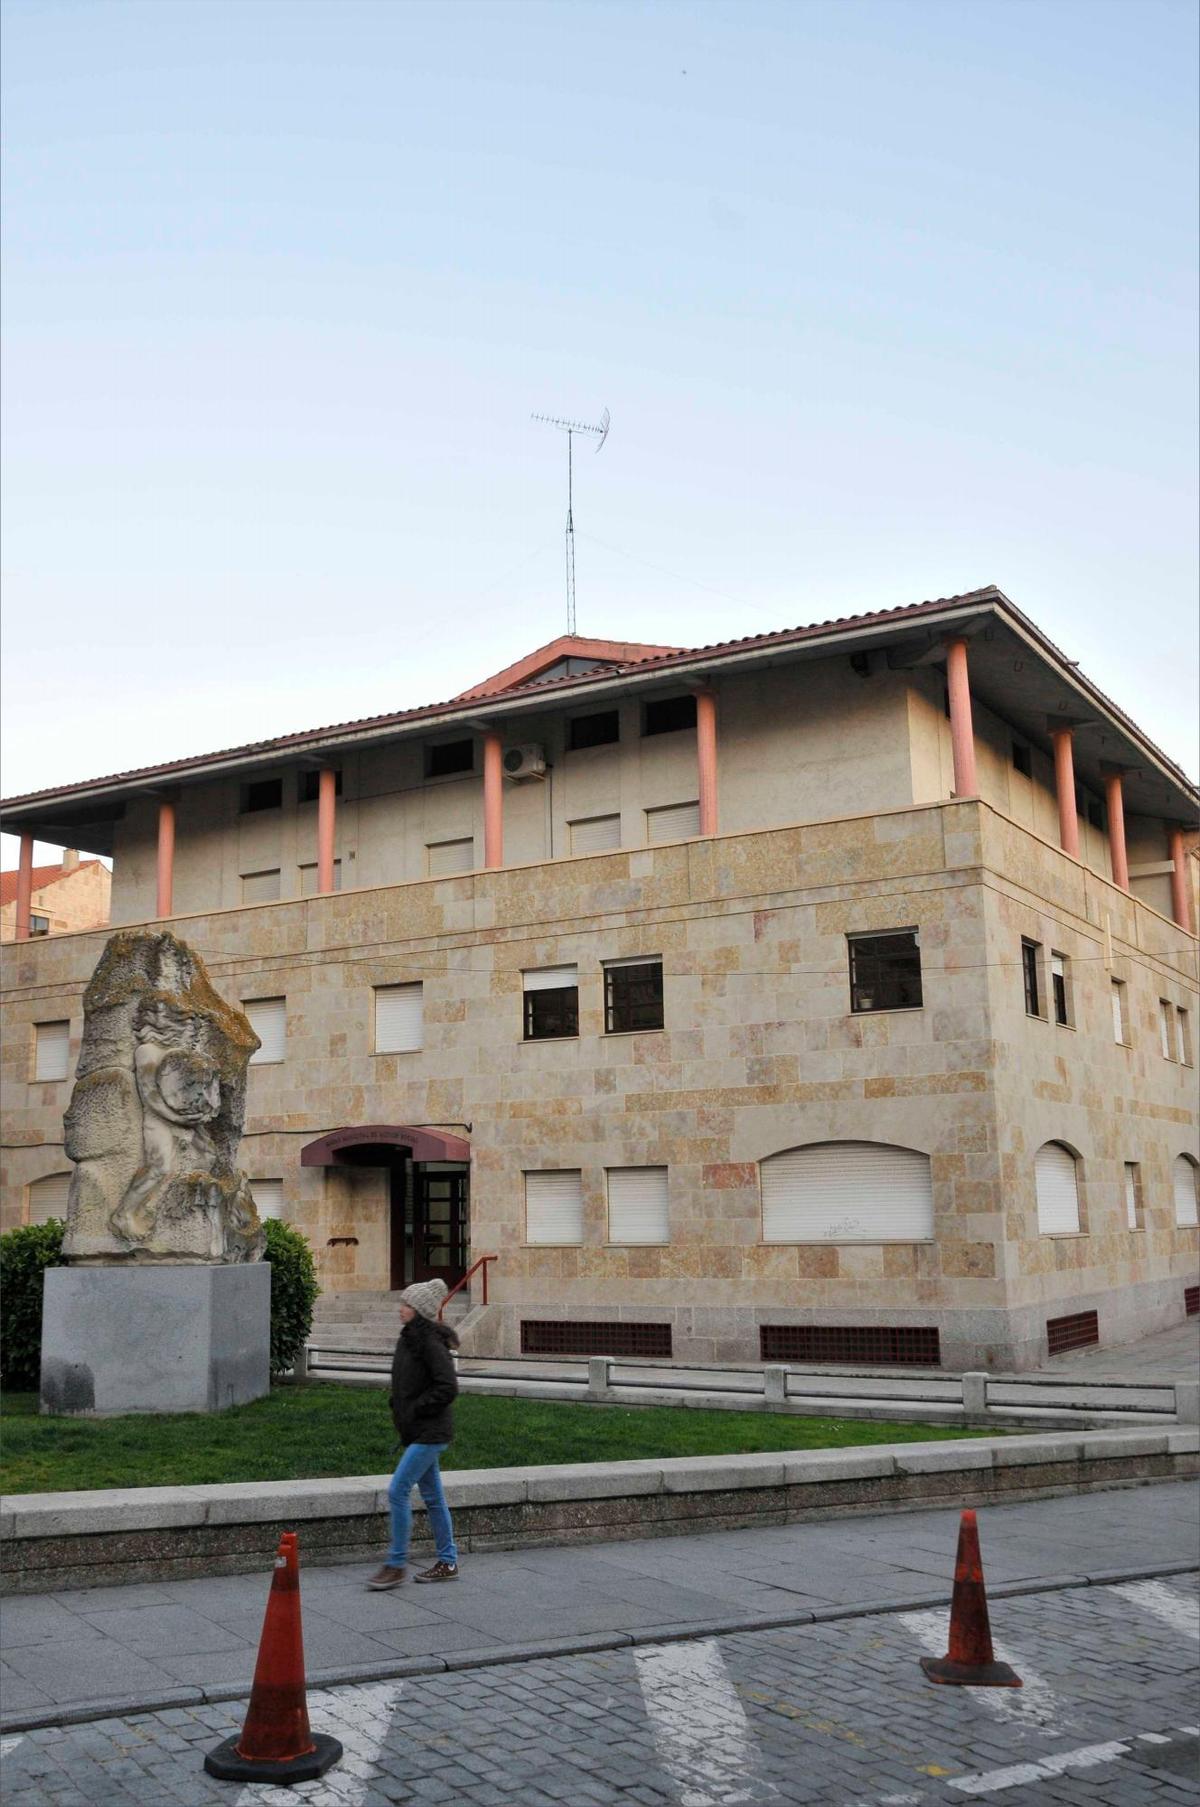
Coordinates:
[419,1144]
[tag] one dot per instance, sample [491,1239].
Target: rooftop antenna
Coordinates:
[599,434]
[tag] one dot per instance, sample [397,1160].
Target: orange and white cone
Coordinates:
[970,1661]
[276,1744]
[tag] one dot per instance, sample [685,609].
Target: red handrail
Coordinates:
[475,1265]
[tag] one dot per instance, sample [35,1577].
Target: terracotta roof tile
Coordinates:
[42,876]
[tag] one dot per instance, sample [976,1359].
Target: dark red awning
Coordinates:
[422,1144]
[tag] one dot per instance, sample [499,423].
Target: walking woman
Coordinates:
[424,1386]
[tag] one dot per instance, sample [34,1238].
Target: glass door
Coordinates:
[440,1229]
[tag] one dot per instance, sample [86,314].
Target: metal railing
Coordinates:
[475,1267]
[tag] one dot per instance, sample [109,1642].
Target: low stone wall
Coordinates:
[95,1539]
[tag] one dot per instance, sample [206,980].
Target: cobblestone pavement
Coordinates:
[836,1713]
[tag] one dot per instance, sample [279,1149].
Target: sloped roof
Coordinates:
[568,646]
[42,876]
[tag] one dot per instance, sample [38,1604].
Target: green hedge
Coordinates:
[294,1292]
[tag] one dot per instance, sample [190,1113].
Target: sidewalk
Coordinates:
[178,1643]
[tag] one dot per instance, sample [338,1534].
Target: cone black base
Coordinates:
[970,1675]
[227,1766]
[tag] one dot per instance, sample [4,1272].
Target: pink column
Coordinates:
[1064,784]
[166,859]
[326,822]
[706,759]
[24,886]
[1181,903]
[962,737]
[1114,797]
[493,801]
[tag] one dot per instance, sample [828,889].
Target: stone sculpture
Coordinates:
[156,1114]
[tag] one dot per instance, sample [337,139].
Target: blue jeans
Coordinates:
[418,1467]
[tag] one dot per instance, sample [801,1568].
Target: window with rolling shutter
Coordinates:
[308,878]
[446,857]
[847,1192]
[1057,1182]
[399,1018]
[637,1205]
[268,1197]
[595,833]
[1133,1196]
[554,1207]
[1184,1175]
[1118,1011]
[260,887]
[51,1050]
[674,822]
[48,1198]
[268,1019]
[551,1002]
[1166,1029]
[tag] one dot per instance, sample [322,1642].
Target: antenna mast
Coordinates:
[570,428]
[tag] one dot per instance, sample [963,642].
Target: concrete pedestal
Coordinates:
[163,1337]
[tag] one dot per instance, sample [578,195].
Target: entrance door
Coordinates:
[439,1250]
[400,1225]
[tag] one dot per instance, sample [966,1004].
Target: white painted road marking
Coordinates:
[1035,1705]
[361,1718]
[10,1743]
[1085,1756]
[1178,1611]
[699,1724]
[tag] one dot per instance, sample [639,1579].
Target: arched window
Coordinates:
[847,1192]
[48,1198]
[1186,1177]
[1056,1173]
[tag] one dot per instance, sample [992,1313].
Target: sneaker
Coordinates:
[441,1571]
[385,1578]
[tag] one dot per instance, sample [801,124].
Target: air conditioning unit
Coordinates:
[524,763]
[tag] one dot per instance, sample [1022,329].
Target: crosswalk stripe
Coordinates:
[361,1718]
[1036,1704]
[1176,1610]
[700,1727]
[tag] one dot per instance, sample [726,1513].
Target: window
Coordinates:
[885,971]
[48,1198]
[1030,952]
[38,925]
[1134,1217]
[637,1205]
[449,757]
[633,996]
[1183,1025]
[308,878]
[1166,1029]
[309,789]
[667,714]
[675,822]
[1095,814]
[51,1050]
[1120,1030]
[260,887]
[447,857]
[268,1197]
[551,1002]
[593,730]
[268,1019]
[262,793]
[554,1208]
[1059,986]
[399,1018]
[1184,1176]
[847,1192]
[1022,758]
[595,834]
[1057,1185]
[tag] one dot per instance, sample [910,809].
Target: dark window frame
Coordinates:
[1060,990]
[39,925]
[883,978]
[1031,952]
[440,751]
[633,997]
[253,797]
[669,714]
[552,1014]
[582,734]
[308,784]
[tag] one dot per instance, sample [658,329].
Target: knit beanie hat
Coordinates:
[425,1297]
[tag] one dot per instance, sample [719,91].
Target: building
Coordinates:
[828,993]
[60,899]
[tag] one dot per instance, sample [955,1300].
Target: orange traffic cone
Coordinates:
[970,1661]
[275,1744]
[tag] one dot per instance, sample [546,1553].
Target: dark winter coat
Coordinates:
[424,1383]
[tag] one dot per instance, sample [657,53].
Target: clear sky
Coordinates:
[888,298]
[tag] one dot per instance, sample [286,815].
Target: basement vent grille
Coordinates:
[1078,1331]
[547,1336]
[874,1343]
[1191,1301]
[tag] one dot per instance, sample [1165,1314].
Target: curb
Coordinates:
[495,1656]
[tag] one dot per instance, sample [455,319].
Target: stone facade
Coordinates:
[66,898]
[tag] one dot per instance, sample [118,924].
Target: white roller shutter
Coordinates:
[268,1197]
[52,1050]
[1184,1175]
[1057,1190]
[260,887]
[1118,1010]
[595,834]
[48,1197]
[268,1019]
[399,1018]
[549,978]
[674,823]
[446,857]
[1131,1195]
[637,1204]
[554,1207]
[1165,1026]
[308,879]
[847,1192]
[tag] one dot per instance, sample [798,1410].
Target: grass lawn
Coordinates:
[300,1433]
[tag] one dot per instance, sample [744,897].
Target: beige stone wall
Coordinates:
[77,900]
